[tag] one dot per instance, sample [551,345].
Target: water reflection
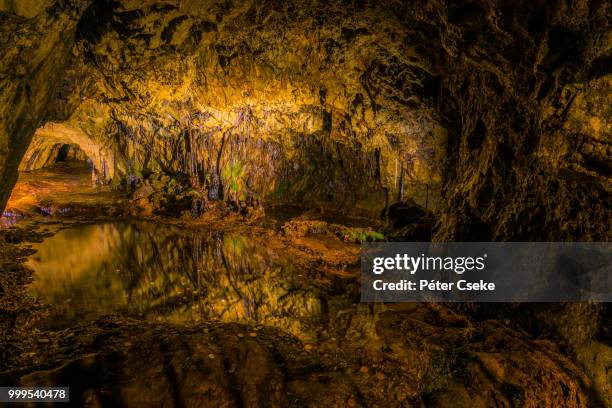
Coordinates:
[159,272]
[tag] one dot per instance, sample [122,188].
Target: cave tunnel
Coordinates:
[63,170]
[51,155]
[189,190]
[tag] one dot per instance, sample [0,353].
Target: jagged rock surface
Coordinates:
[494,114]
[34,53]
[339,103]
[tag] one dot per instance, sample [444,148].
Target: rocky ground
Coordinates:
[61,189]
[369,355]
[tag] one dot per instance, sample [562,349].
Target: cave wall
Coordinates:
[499,108]
[526,88]
[34,50]
[149,78]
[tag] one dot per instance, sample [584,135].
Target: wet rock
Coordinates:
[169,366]
[291,124]
[164,365]
[403,213]
[35,52]
[474,365]
[505,106]
[409,221]
[144,191]
[391,355]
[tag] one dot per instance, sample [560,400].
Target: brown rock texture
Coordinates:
[324,103]
[343,103]
[518,78]
[494,115]
[128,363]
[34,53]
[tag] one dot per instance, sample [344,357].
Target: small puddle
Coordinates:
[162,273]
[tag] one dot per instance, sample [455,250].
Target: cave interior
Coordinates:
[185,186]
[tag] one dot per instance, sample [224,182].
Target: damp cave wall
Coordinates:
[35,49]
[518,94]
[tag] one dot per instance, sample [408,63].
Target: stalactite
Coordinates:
[400,194]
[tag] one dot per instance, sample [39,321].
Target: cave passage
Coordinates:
[186,187]
[54,179]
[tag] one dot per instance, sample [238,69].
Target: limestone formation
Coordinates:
[456,120]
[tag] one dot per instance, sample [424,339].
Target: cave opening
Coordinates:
[52,155]
[189,189]
[57,176]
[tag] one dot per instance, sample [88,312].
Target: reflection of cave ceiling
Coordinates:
[372,86]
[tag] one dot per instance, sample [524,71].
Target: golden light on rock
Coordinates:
[185,186]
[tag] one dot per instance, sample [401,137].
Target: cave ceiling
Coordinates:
[483,102]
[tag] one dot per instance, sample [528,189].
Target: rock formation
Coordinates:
[491,118]
[350,101]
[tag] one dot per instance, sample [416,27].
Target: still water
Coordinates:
[162,273]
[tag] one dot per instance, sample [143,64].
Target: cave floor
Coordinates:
[228,311]
[63,188]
